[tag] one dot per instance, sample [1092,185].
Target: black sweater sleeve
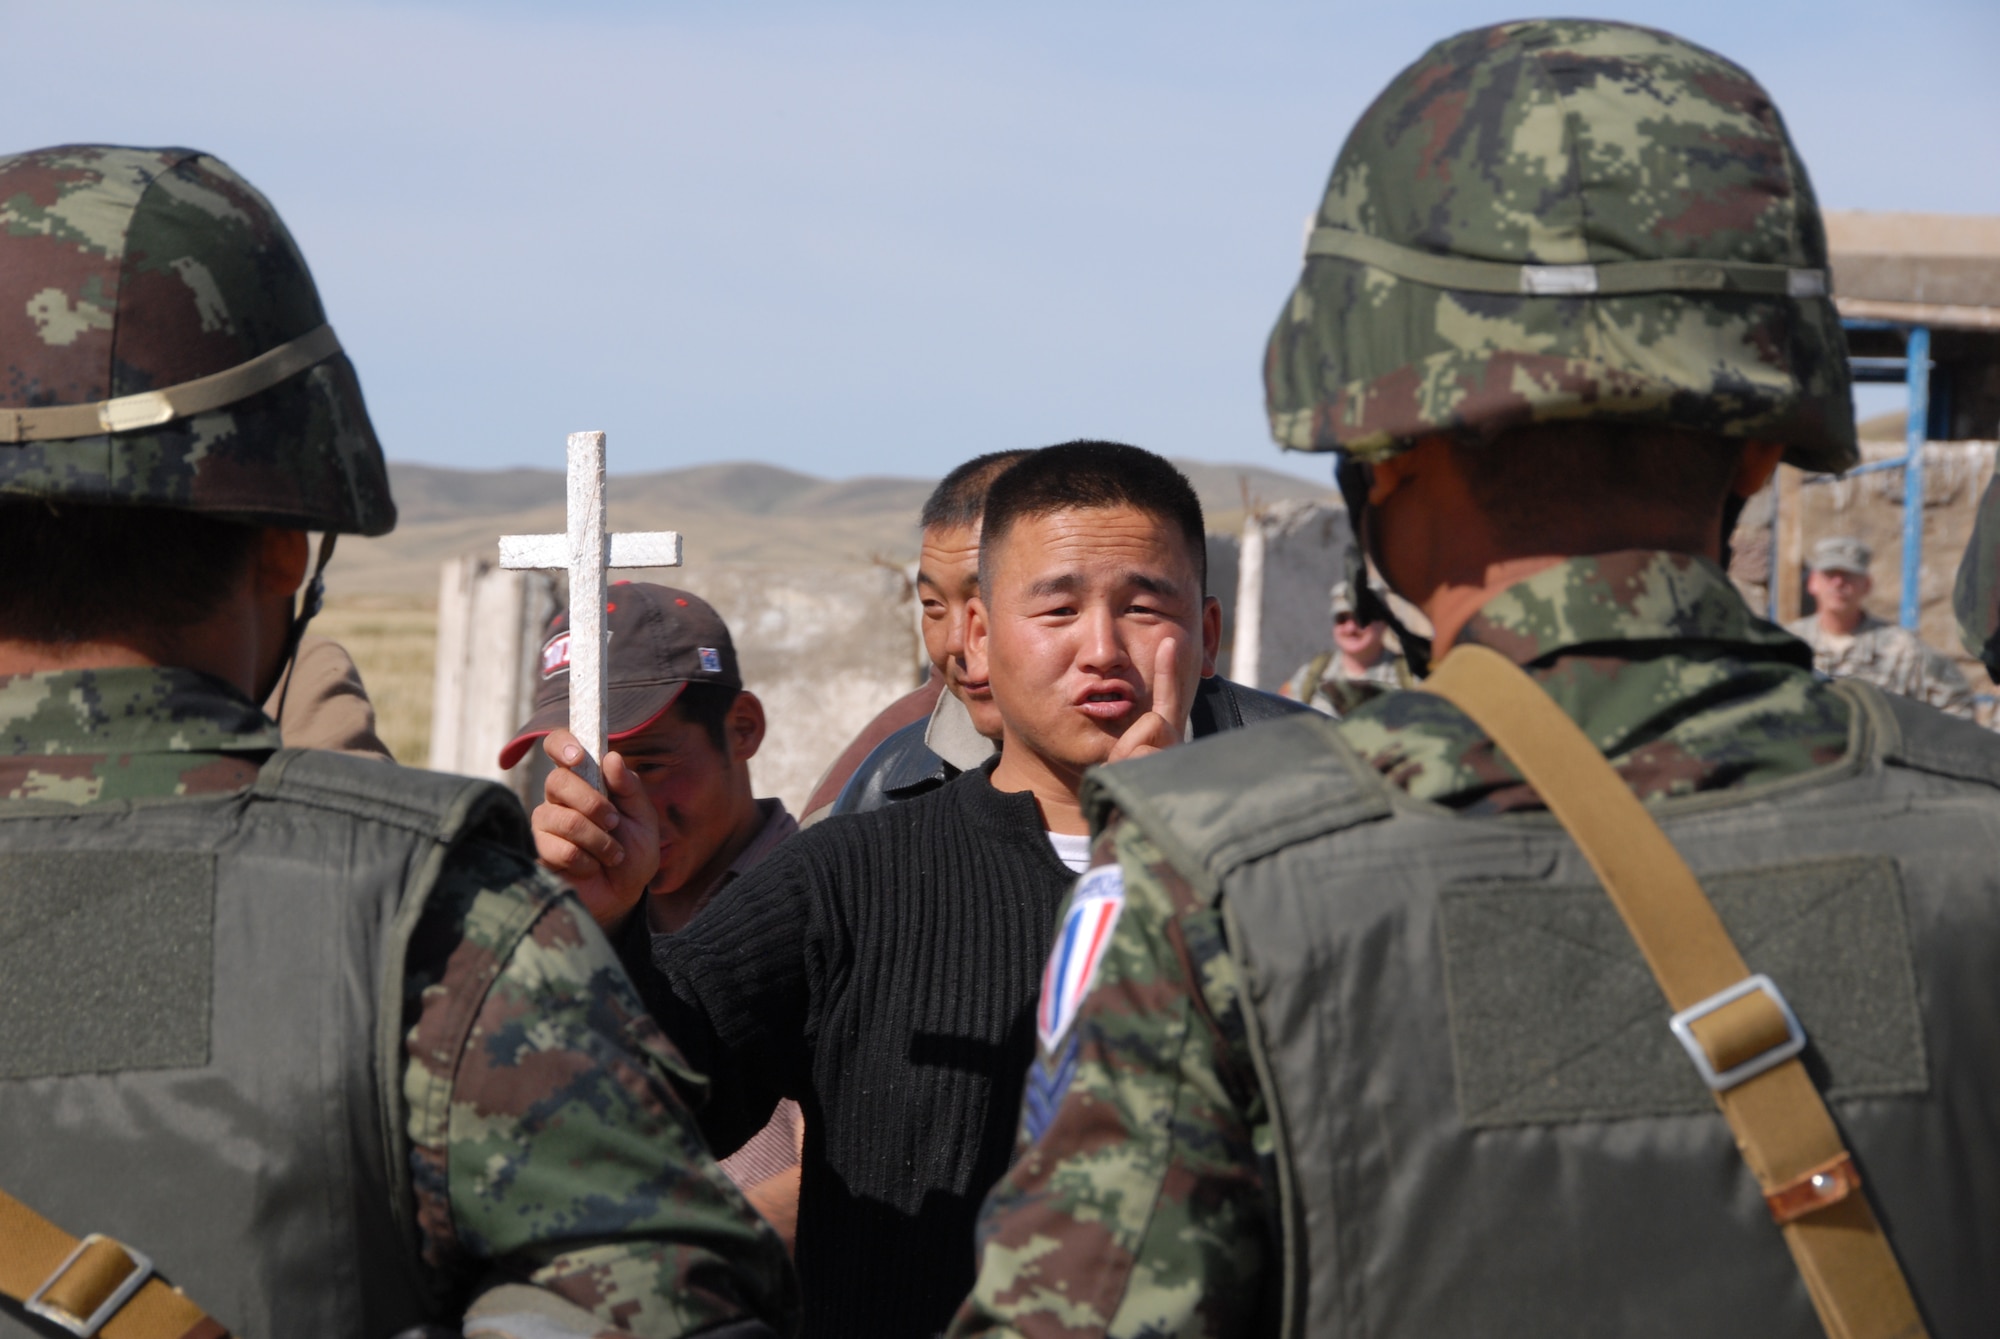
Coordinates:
[731,990]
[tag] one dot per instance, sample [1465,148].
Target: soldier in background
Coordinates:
[312,1034]
[1359,667]
[1848,642]
[1316,1059]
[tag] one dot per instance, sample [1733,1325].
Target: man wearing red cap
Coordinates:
[685,730]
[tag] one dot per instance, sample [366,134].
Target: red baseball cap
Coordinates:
[661,640]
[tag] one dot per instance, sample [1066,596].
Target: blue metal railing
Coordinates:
[1916,431]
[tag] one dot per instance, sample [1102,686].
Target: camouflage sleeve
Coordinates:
[548,1144]
[1138,1202]
[1976,596]
[1945,685]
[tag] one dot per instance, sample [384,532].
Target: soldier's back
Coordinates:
[1518,1144]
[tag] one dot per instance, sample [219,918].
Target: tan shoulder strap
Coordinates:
[1736,1027]
[93,1286]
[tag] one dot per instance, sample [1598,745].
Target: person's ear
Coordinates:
[282,556]
[1754,470]
[976,630]
[743,727]
[1211,634]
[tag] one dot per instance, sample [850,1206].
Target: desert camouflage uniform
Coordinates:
[1335,693]
[1892,658]
[549,1143]
[1140,1202]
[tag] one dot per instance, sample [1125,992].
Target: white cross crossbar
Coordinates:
[586,552]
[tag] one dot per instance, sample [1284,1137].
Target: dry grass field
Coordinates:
[393,641]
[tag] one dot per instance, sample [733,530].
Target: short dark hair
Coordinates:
[78,572]
[1537,485]
[1086,475]
[707,705]
[960,497]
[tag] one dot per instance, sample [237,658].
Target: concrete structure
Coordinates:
[489,632]
[825,648]
[1290,556]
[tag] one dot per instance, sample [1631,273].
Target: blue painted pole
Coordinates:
[1916,433]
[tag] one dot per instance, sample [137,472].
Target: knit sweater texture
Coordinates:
[882,971]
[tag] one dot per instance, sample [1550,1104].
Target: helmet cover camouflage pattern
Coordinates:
[1565,143]
[130,270]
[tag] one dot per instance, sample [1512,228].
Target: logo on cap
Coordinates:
[711,660]
[555,655]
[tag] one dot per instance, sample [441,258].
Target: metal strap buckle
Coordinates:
[81,1327]
[1795,1040]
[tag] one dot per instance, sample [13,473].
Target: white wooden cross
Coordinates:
[587,552]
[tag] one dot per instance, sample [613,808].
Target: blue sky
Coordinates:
[864,238]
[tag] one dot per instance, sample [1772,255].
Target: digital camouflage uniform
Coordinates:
[1518,231]
[1323,683]
[548,1140]
[523,1152]
[1143,1205]
[1889,656]
[1320,684]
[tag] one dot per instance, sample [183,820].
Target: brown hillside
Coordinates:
[732,515]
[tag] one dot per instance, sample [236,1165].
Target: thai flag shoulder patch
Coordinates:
[1080,946]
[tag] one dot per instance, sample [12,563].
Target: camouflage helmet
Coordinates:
[162,345]
[1558,220]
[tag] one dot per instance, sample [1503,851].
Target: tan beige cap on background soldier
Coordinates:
[1848,642]
[1363,1040]
[309,1034]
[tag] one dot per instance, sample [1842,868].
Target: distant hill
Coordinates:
[1883,427]
[741,514]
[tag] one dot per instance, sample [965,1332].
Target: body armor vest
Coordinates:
[202,1047]
[1483,1124]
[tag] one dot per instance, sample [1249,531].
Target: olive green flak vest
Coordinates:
[213,1067]
[1484,1125]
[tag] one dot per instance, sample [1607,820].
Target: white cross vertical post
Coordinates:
[587,552]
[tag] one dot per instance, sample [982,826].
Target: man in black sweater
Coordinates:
[882,969]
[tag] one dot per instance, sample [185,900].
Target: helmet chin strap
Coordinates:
[310,600]
[1355,479]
